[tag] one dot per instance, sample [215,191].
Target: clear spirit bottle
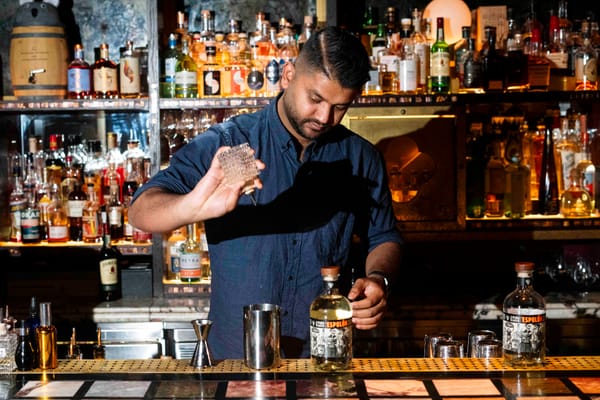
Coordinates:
[524,324]
[331,325]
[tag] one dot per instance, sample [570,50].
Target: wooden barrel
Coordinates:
[38,53]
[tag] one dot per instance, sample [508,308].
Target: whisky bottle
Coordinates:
[47,339]
[129,72]
[186,73]
[54,162]
[105,76]
[173,253]
[585,166]
[58,223]
[190,255]
[76,201]
[440,61]
[99,351]
[114,211]
[494,179]
[90,218]
[16,203]
[492,63]
[108,266]
[408,67]
[472,70]
[30,221]
[524,323]
[79,78]
[517,200]
[422,50]
[331,325]
[586,62]
[209,78]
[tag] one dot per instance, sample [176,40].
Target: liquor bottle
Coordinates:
[575,201]
[256,73]
[460,54]
[308,27]
[517,200]
[331,325]
[408,66]
[548,188]
[379,42]
[25,354]
[90,219]
[475,170]
[565,130]
[180,28]
[75,204]
[99,351]
[494,179]
[492,62]
[108,266]
[114,211]
[55,162]
[16,203]
[586,62]
[204,257]
[74,352]
[58,224]
[538,66]
[47,339]
[209,78]
[190,255]
[30,221]
[585,166]
[169,61]
[129,72]
[116,163]
[472,69]
[422,50]
[235,74]
[105,76]
[516,62]
[130,186]
[186,73]
[79,76]
[557,53]
[94,167]
[173,253]
[71,176]
[524,323]
[43,202]
[31,323]
[440,61]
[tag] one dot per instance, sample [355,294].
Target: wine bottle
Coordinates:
[331,325]
[108,266]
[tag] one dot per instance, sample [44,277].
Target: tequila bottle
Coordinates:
[331,325]
[524,324]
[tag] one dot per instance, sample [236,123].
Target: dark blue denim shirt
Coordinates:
[305,218]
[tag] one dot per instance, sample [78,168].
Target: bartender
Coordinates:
[319,186]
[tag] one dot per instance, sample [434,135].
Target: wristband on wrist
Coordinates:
[383,276]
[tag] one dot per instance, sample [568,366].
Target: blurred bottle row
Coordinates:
[57,194]
[518,167]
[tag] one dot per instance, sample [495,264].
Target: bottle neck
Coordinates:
[524,280]
[330,286]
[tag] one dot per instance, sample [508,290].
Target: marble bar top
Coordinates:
[558,306]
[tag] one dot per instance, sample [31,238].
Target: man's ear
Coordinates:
[289,69]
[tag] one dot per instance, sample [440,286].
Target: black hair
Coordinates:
[339,55]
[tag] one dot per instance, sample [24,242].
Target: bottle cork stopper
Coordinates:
[524,266]
[330,271]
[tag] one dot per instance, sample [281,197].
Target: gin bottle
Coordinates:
[331,325]
[524,324]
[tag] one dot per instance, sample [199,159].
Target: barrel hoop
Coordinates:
[37,35]
[38,87]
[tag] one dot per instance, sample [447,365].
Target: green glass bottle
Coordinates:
[440,61]
[186,73]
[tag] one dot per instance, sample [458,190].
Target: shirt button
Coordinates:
[290,278]
[294,242]
[285,313]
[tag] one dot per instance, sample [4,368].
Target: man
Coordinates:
[320,186]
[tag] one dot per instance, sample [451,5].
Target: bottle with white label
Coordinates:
[331,325]
[524,324]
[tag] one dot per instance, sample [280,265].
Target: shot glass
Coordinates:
[450,349]
[431,343]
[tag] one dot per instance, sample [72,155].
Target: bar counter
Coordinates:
[576,377]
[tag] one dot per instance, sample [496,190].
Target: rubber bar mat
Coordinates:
[371,365]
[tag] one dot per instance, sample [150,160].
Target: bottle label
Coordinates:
[211,83]
[58,233]
[30,224]
[170,64]
[75,208]
[114,216]
[175,258]
[109,272]
[524,333]
[331,339]
[79,80]
[440,63]
[129,75]
[189,266]
[105,80]
[256,80]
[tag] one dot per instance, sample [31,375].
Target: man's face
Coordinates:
[312,103]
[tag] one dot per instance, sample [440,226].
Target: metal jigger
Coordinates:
[202,357]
